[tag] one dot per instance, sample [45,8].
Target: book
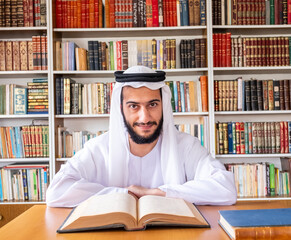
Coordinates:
[121,210]
[256,223]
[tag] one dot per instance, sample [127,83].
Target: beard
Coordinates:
[138,139]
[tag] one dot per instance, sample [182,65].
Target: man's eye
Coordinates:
[133,106]
[153,104]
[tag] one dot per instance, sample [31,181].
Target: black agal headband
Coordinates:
[158,76]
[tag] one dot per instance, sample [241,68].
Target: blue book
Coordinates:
[71,55]
[184,13]
[230,137]
[256,224]
[202,12]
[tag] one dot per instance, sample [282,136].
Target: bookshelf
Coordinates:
[21,77]
[96,122]
[260,73]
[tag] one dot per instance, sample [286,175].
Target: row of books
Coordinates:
[252,95]
[24,182]
[16,99]
[260,180]
[253,137]
[198,129]
[189,96]
[119,55]
[77,98]
[130,13]
[94,98]
[24,142]
[193,53]
[24,55]
[250,51]
[251,12]
[70,142]
[23,13]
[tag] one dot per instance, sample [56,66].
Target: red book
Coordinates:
[170,13]
[155,12]
[111,13]
[69,14]
[91,13]
[282,137]
[228,49]
[79,14]
[83,13]
[59,14]
[214,47]
[100,14]
[149,13]
[174,12]
[220,47]
[74,13]
[118,55]
[165,13]
[223,50]
[286,139]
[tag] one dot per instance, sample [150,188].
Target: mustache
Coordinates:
[145,124]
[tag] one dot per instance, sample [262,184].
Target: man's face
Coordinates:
[142,113]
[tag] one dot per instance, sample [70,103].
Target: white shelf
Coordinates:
[250,26]
[62,159]
[23,72]
[82,116]
[24,116]
[68,116]
[24,160]
[23,28]
[136,29]
[262,198]
[251,68]
[252,112]
[111,72]
[21,202]
[253,155]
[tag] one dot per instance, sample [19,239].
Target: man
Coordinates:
[142,153]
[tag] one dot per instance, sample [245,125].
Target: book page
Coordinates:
[102,204]
[156,204]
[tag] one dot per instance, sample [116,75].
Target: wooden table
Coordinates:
[41,222]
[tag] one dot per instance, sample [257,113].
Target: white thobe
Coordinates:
[205,179]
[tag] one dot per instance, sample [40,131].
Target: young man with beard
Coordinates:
[142,153]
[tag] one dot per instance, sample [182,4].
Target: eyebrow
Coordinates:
[153,100]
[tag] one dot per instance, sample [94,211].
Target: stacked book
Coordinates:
[260,180]
[27,182]
[252,95]
[131,13]
[70,142]
[24,55]
[253,137]
[24,141]
[250,51]
[23,13]
[251,12]
[38,96]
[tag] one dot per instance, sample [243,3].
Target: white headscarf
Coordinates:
[118,136]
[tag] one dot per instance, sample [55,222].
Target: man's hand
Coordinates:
[141,191]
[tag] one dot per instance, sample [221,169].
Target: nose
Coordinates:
[144,115]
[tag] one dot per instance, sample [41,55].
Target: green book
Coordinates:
[272,12]
[272,179]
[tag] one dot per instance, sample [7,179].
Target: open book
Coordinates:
[124,210]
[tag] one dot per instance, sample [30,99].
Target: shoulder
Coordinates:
[190,144]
